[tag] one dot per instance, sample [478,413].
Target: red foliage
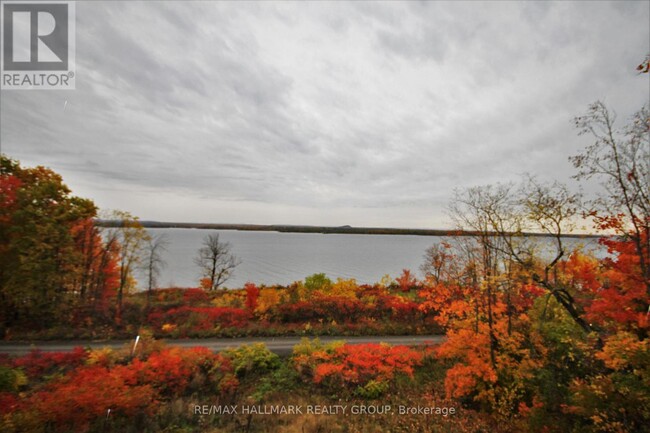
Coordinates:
[36,364]
[357,364]
[396,308]
[9,403]
[100,275]
[6,360]
[337,308]
[622,299]
[171,370]
[524,297]
[87,394]
[345,310]
[367,291]
[252,293]
[202,318]
[195,297]
[9,186]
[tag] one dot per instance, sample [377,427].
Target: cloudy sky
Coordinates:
[367,114]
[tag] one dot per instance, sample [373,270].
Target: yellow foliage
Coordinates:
[229,299]
[168,327]
[344,288]
[268,298]
[297,292]
[131,285]
[621,350]
[308,346]
[385,281]
[103,356]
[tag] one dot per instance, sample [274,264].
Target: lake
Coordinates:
[282,258]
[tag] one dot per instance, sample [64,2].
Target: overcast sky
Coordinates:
[367,114]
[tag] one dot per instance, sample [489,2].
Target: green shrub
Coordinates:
[282,380]
[253,358]
[308,346]
[11,379]
[372,390]
[318,282]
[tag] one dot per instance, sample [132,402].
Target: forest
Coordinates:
[538,339]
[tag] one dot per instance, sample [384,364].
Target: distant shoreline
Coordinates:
[349,230]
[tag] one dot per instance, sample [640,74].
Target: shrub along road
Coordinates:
[279,345]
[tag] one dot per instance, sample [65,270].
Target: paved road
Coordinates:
[279,345]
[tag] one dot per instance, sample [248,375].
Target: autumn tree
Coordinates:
[535,326]
[553,209]
[472,211]
[98,271]
[153,261]
[44,267]
[440,265]
[502,271]
[507,213]
[614,396]
[406,281]
[252,293]
[216,261]
[620,159]
[127,232]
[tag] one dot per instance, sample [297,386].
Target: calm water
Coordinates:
[282,258]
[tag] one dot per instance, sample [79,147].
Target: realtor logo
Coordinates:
[38,45]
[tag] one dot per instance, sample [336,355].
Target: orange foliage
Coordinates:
[205,283]
[358,364]
[473,350]
[267,299]
[406,281]
[623,350]
[446,301]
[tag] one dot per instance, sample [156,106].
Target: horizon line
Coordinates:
[343,229]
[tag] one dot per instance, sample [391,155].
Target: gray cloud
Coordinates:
[324,113]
